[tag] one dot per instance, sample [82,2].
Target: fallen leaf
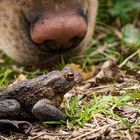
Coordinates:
[86,75]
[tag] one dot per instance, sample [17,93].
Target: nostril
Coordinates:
[74,41]
[49,45]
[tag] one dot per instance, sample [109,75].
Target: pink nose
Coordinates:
[59,31]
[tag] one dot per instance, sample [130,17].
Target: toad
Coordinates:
[38,98]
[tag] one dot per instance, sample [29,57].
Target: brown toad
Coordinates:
[38,98]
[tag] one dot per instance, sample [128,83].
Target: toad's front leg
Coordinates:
[44,111]
[10,109]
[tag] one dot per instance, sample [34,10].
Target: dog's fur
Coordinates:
[15,18]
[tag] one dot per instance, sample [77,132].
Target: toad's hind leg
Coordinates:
[10,109]
[42,110]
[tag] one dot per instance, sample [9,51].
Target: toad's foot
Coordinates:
[23,126]
[10,109]
[46,112]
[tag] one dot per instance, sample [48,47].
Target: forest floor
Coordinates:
[106,105]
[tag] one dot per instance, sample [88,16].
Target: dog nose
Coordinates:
[59,32]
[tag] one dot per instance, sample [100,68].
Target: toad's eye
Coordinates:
[68,73]
[69,76]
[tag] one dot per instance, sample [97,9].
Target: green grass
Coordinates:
[5,76]
[81,110]
[105,105]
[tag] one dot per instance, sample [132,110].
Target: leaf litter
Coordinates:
[107,107]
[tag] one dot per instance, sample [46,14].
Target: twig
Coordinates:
[128,135]
[3,138]
[35,137]
[94,130]
[96,122]
[118,33]
[130,57]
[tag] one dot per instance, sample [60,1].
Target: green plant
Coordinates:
[106,105]
[5,76]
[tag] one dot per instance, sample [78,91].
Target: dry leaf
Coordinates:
[86,75]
